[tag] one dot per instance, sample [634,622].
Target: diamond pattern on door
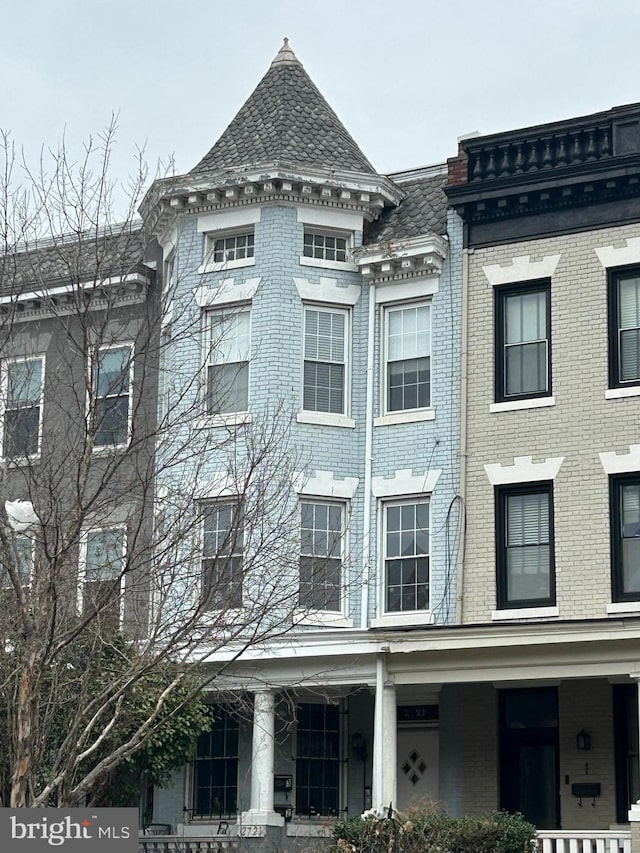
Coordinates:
[414,767]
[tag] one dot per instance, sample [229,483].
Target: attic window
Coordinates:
[325,247]
[225,250]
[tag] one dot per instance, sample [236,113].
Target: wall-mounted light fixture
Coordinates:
[583,740]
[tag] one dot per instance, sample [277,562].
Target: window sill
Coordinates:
[21,461]
[322,618]
[226,420]
[617,608]
[401,620]
[328,265]
[110,448]
[617,393]
[223,266]
[525,613]
[325,419]
[516,405]
[405,417]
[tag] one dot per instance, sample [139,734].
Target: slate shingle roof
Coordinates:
[422,210]
[286,120]
[84,258]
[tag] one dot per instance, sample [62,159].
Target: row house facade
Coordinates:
[327,300]
[551,378]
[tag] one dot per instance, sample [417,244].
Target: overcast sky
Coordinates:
[406,77]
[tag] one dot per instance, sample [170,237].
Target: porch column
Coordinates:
[261,812]
[385,761]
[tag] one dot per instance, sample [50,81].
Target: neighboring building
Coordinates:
[329,304]
[76,384]
[551,582]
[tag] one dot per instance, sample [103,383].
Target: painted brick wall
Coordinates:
[276,382]
[580,425]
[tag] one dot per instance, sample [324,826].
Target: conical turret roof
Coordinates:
[286,121]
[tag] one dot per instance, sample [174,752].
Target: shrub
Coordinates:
[427,830]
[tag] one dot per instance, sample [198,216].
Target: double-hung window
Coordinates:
[228,342]
[406,556]
[523,341]
[625,537]
[525,551]
[215,776]
[321,543]
[408,357]
[112,389]
[222,553]
[103,570]
[325,360]
[23,382]
[624,328]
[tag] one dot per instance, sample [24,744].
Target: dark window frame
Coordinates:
[616,482]
[318,759]
[502,493]
[222,567]
[614,275]
[500,296]
[223,767]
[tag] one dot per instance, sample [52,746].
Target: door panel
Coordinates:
[418,767]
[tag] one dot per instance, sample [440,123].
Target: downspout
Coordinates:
[463,433]
[368,463]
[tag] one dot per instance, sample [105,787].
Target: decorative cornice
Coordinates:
[401,259]
[267,183]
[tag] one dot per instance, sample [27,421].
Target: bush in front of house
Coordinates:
[424,829]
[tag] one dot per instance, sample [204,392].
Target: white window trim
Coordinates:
[408,416]
[390,416]
[324,231]
[325,419]
[310,416]
[223,418]
[521,268]
[394,618]
[108,448]
[4,384]
[516,405]
[525,613]
[209,239]
[618,608]
[82,564]
[324,484]
[619,393]
[339,618]
[621,463]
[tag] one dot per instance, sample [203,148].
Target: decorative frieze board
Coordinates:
[408,258]
[63,299]
[351,191]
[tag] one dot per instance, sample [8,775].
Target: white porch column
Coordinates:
[261,812]
[385,760]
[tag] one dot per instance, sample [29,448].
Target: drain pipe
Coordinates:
[463,432]
[368,462]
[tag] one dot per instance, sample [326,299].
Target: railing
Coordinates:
[539,154]
[178,844]
[580,841]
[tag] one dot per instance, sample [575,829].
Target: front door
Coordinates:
[418,769]
[529,755]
